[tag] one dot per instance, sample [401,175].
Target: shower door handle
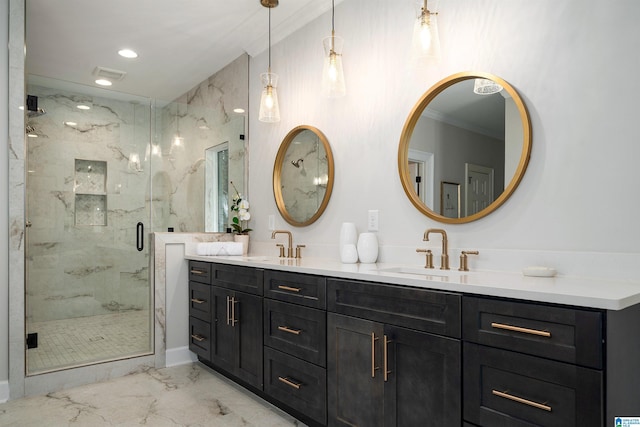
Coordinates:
[140,236]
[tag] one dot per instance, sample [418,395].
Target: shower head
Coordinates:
[297,163]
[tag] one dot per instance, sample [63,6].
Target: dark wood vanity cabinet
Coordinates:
[545,365]
[352,353]
[383,368]
[200,309]
[225,318]
[295,339]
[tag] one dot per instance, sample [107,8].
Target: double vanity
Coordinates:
[376,344]
[392,345]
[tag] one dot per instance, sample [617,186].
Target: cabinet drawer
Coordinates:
[200,301]
[299,331]
[200,271]
[564,334]
[200,337]
[296,383]
[243,279]
[503,388]
[421,309]
[296,288]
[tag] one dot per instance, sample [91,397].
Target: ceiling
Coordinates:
[180,43]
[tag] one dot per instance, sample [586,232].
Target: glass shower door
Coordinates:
[88,293]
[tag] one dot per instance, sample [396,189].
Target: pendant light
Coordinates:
[486,87]
[269,108]
[333,85]
[426,41]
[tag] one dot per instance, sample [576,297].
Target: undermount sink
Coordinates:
[417,271]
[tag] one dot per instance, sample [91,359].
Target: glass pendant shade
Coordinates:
[333,85]
[426,40]
[269,108]
[486,87]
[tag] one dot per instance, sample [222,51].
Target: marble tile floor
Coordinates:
[82,340]
[187,395]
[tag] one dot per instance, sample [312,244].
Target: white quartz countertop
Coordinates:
[582,292]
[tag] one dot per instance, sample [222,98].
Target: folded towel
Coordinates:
[219,248]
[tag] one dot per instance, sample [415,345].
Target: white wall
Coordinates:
[4,199]
[574,208]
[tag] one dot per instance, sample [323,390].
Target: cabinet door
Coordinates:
[509,389]
[223,348]
[423,385]
[354,374]
[246,316]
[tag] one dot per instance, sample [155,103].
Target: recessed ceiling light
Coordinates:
[127,53]
[103,82]
[83,107]
[32,135]
[238,110]
[70,123]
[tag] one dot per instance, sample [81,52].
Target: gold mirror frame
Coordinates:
[277,175]
[409,126]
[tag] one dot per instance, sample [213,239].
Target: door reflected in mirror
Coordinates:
[224,163]
[471,132]
[303,176]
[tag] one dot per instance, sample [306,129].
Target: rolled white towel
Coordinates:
[219,248]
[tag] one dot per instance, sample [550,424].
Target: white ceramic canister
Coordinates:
[368,248]
[348,242]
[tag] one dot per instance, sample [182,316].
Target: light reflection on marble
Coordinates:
[187,395]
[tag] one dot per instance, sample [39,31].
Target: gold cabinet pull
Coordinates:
[290,382]
[228,310]
[198,301]
[197,337]
[519,329]
[289,288]
[373,355]
[521,400]
[197,272]
[233,311]
[387,341]
[289,330]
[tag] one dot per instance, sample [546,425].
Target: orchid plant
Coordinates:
[241,207]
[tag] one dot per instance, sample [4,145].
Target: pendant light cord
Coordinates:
[333,16]
[269,39]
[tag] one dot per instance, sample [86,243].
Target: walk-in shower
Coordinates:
[88,197]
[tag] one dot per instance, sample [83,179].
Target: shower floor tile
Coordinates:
[86,340]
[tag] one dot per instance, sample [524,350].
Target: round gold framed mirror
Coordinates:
[464,147]
[303,176]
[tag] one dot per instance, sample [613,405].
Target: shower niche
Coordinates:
[90,187]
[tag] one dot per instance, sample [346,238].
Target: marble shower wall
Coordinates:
[89,184]
[204,118]
[88,187]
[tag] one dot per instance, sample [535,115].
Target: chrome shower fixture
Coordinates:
[297,163]
[36,113]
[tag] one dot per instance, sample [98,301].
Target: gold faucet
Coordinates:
[444,258]
[463,259]
[290,248]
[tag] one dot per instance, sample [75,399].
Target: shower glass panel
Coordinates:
[90,156]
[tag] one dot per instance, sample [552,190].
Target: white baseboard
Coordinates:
[4,391]
[178,356]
